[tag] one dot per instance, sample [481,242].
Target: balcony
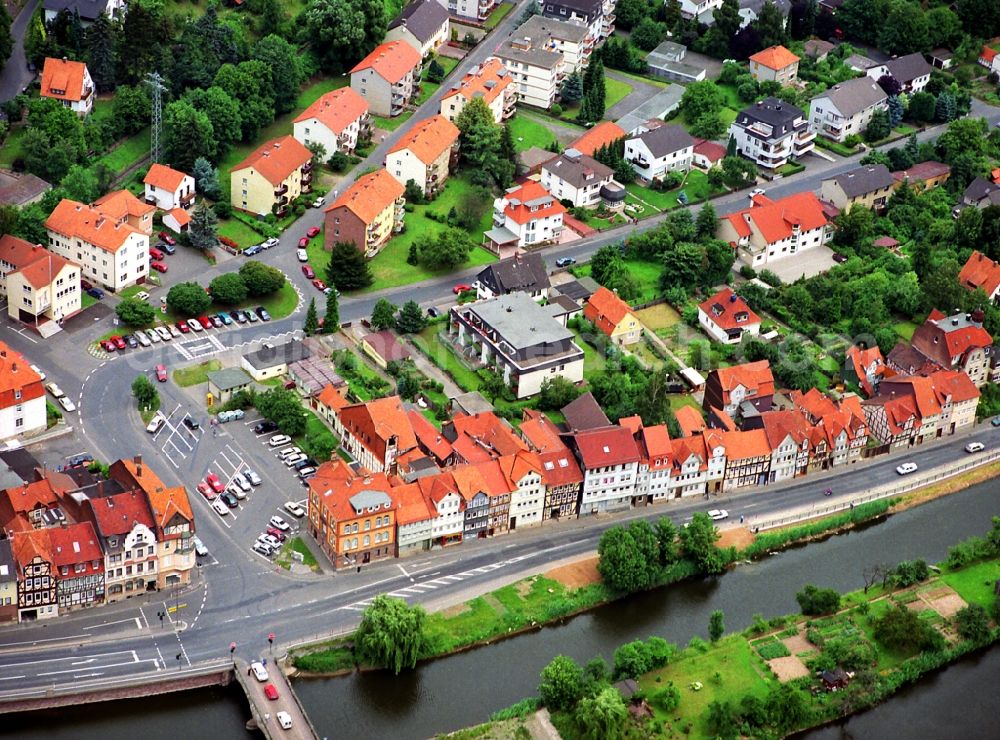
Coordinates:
[307,167]
[639,161]
[281,211]
[281,200]
[187,200]
[281,190]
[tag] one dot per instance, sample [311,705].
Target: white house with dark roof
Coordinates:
[523,273]
[771,132]
[88,10]
[663,149]
[569,38]
[868,186]
[726,317]
[912,72]
[846,108]
[577,178]
[423,24]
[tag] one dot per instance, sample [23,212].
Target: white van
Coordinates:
[156,423]
[259,671]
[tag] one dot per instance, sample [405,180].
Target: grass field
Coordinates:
[239,232]
[185,377]
[615,91]
[695,186]
[528,133]
[593,360]
[835,146]
[660,316]
[647,274]
[499,13]
[11,148]
[127,153]
[429,343]
[391,124]
[296,544]
[905,329]
[975,583]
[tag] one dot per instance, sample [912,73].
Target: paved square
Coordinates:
[811,262]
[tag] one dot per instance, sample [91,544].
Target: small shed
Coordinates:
[270,362]
[384,347]
[312,375]
[177,220]
[471,403]
[838,678]
[627,688]
[224,383]
[693,378]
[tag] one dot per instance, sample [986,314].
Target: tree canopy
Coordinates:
[391,634]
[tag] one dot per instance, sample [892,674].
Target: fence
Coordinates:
[885,491]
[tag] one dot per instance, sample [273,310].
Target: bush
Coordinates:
[556,110]
[748,272]
[223,209]
[668,698]
[909,572]
[770,278]
[852,141]
[900,628]
[973,623]
[815,601]
[771,649]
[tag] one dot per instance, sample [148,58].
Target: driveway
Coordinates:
[15,75]
[806,264]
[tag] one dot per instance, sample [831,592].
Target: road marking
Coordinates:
[399,565]
[10,678]
[46,639]
[138,624]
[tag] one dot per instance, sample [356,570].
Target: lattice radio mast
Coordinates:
[155,82]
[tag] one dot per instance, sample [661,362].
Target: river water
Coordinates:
[464,689]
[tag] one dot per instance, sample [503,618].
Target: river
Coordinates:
[464,689]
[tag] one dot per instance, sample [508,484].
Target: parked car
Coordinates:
[238,316]
[261,548]
[242,482]
[236,491]
[307,471]
[167,247]
[252,476]
[460,288]
[718,514]
[216,321]
[142,339]
[251,317]
[319,285]
[183,326]
[251,251]
[433,312]
[292,459]
[276,534]
[295,509]
[67,404]
[164,333]
[167,238]
[214,482]
[86,284]
[205,490]
[307,462]
[131,341]
[756,191]
[225,318]
[174,331]
[199,547]
[262,312]
[975,447]
[194,325]
[303,242]
[272,242]
[270,541]
[191,424]
[995,421]
[95,293]
[206,323]
[290,452]
[156,423]
[158,266]
[308,272]
[220,507]
[565,261]
[155,253]
[230,500]
[264,427]
[55,390]
[108,346]
[41,375]
[279,439]
[318,203]
[278,522]
[154,336]
[142,295]
[302,255]
[161,373]
[906,468]
[313,231]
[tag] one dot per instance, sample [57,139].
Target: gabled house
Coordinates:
[772,132]
[726,317]
[425,155]
[613,316]
[893,421]
[597,15]
[604,133]
[743,390]
[423,24]
[560,473]
[865,367]
[655,464]
[480,437]
[750,10]
[654,153]
[689,473]
[978,273]
[911,71]
[539,71]
[957,342]
[989,58]
[376,432]
[523,215]
[583,413]
[36,582]
[577,178]
[774,64]
[522,273]
[776,229]
[22,397]
[77,565]
[167,188]
[124,208]
[846,108]
[414,516]
[477,10]
[490,81]
[448,508]
[272,176]
[70,83]
[39,285]
[124,525]
[707,154]
[478,502]
[980,193]
[8,583]
[387,78]
[368,213]
[523,471]
[609,458]
[788,436]
[748,458]
[868,186]
[924,175]
[336,120]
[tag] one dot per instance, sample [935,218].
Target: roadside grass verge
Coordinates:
[296,544]
[185,377]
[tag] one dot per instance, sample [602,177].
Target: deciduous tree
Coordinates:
[228,289]
[145,392]
[391,634]
[133,312]
[559,689]
[188,299]
[384,315]
[603,716]
[261,279]
[698,541]
[447,250]
[283,408]
[187,135]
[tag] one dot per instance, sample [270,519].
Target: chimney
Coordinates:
[13,367]
[137,461]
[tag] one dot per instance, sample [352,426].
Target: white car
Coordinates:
[273,542]
[906,468]
[67,404]
[284,719]
[975,447]
[261,549]
[156,423]
[292,459]
[154,336]
[318,203]
[259,671]
[242,482]
[289,452]
[199,547]
[174,331]
[142,339]
[295,509]
[718,514]
[279,439]
[220,507]
[238,492]
[252,476]
[278,523]
[302,254]
[272,242]
[756,191]
[38,370]
[55,390]
[194,325]
[142,295]
[307,471]
[164,333]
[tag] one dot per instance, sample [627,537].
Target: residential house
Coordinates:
[336,121]
[818,49]
[839,433]
[124,208]
[701,10]
[30,505]
[859,62]
[8,583]
[774,64]
[536,72]
[978,273]
[740,390]
[846,108]
[523,471]
[21,188]
[748,459]
[583,413]
[490,81]
[602,134]
[368,213]
[572,39]
[609,459]
[772,132]
[990,58]
[388,77]
[450,509]
[111,253]
[689,473]
[414,516]
[480,437]
[893,421]
[911,71]
[726,317]
[958,342]
[177,220]
[655,464]
[22,397]
[924,175]
[865,367]
[597,15]
[384,347]
[868,186]
[225,383]
[519,339]
[524,272]
[577,178]
[772,230]
[376,432]
[36,583]
[654,153]
[425,155]
[524,215]
[70,83]
[275,174]
[88,10]
[270,362]
[124,525]
[980,193]
[167,188]
[352,517]
[613,317]
[77,565]
[40,286]
[477,10]
[561,474]
[423,24]
[667,61]
[478,502]
[328,404]
[173,520]
[788,437]
[707,154]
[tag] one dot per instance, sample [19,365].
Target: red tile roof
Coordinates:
[391,60]
[531,194]
[774,219]
[163,177]
[690,420]
[606,310]
[861,359]
[728,311]
[604,133]
[120,204]
[332,397]
[181,216]
[987,54]
[484,82]
[774,57]
[76,544]
[656,442]
[29,544]
[277,159]
[750,375]
[78,221]
[428,437]
[606,447]
[481,437]
[37,265]
[19,500]
[411,504]
[335,484]
[743,445]
[17,378]
[374,422]
[710,150]
[63,79]
[980,271]
[336,109]
[165,503]
[117,514]
[369,196]
[428,139]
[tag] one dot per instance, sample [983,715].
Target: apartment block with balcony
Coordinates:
[597,15]
[528,214]
[40,286]
[536,72]
[368,213]
[771,133]
[276,173]
[491,82]
[167,188]
[387,78]
[571,38]
[477,10]
[336,120]
[772,230]
[425,155]
[846,108]
[70,83]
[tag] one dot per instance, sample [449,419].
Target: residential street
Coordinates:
[15,74]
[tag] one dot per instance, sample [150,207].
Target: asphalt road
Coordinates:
[15,74]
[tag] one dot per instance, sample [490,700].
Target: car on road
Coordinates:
[167,238]
[241,481]
[41,375]
[231,501]
[270,692]
[119,342]
[95,293]
[279,523]
[156,423]
[183,326]
[312,231]
[191,424]
[975,447]
[284,719]
[252,476]
[199,547]
[995,421]
[260,547]
[158,266]
[295,509]
[161,373]
[67,404]
[206,323]
[906,468]
[433,312]
[565,261]
[107,345]
[319,285]
[213,481]
[718,514]
[302,255]
[55,390]
[264,427]
[308,272]
[303,242]
[460,288]
[251,251]
[225,318]
[272,242]
[206,490]
[756,191]
[194,325]
[318,203]
[259,671]
[276,534]
[279,439]
[220,507]
[164,333]
[262,312]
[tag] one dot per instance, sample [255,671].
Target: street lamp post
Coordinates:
[270,640]
[232,652]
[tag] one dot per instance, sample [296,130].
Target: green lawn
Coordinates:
[975,583]
[429,343]
[696,186]
[195,374]
[528,133]
[647,274]
[127,153]
[11,148]
[498,14]
[835,146]
[317,436]
[239,232]
[680,400]
[392,8]
[426,90]
[296,544]
[614,91]
[905,329]
[593,360]
[279,304]
[448,64]
[391,124]
[86,301]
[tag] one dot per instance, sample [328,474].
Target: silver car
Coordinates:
[143,339]
[242,482]
[154,336]
[252,476]
[174,331]
[164,333]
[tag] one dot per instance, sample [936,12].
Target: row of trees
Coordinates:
[254,280]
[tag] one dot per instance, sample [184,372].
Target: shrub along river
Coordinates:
[453,692]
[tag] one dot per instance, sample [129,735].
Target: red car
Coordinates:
[86,284]
[314,231]
[270,692]
[167,238]
[155,253]
[205,491]
[276,533]
[214,483]
[118,341]
[303,242]
[460,288]
[108,346]
[158,266]
[205,322]
[183,327]
[161,373]
[308,272]
[319,284]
